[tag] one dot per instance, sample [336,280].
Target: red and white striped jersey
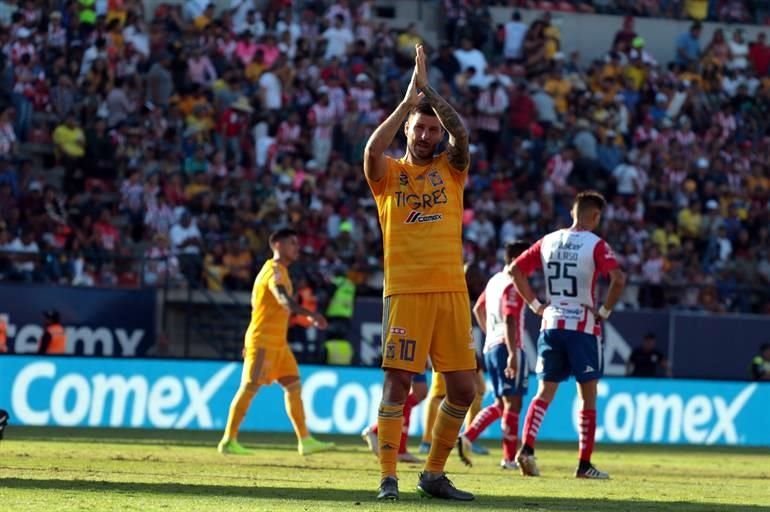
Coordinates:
[501,301]
[571,260]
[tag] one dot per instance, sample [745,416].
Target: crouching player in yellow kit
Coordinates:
[426,311]
[266,354]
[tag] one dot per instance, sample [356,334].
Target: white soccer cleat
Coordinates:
[465,450]
[591,473]
[409,458]
[372,441]
[508,464]
[527,464]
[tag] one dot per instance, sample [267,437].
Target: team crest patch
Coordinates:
[435,178]
[390,351]
[398,330]
[403,179]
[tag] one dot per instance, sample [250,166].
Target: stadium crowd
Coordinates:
[743,11]
[183,141]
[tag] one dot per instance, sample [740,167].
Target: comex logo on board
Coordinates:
[657,417]
[74,399]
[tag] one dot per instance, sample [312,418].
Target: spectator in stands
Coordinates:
[24,252]
[514,33]
[624,36]
[186,243]
[535,57]
[760,365]
[647,361]
[447,64]
[491,105]
[253,118]
[70,141]
[239,266]
[759,55]
[407,41]
[688,50]
[8,141]
[338,38]
[469,57]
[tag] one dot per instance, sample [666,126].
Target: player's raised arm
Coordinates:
[458,152]
[380,140]
[288,302]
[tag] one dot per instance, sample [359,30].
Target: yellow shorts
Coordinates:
[416,325]
[265,365]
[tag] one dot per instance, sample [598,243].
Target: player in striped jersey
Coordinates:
[572,259]
[426,309]
[500,313]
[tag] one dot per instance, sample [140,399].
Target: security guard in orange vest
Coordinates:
[308,300]
[54,340]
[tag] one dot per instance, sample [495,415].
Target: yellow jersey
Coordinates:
[421,216]
[269,319]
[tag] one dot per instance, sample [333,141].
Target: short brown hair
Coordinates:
[513,249]
[423,108]
[589,199]
[280,235]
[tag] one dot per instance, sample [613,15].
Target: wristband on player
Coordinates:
[535,306]
[604,312]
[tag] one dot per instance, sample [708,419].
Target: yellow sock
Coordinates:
[293,399]
[448,422]
[473,410]
[430,417]
[238,408]
[389,421]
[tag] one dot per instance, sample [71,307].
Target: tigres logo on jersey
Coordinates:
[435,178]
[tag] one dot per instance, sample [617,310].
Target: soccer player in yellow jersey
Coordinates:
[426,310]
[266,354]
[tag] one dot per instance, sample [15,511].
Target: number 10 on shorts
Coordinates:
[406,349]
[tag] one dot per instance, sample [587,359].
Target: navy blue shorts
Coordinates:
[420,377]
[561,353]
[497,360]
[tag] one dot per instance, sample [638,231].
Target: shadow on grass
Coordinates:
[287,441]
[173,438]
[358,497]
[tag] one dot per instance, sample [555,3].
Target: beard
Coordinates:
[422,150]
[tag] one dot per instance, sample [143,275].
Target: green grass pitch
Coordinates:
[46,470]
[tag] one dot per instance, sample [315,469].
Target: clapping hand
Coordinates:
[413,96]
[420,67]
